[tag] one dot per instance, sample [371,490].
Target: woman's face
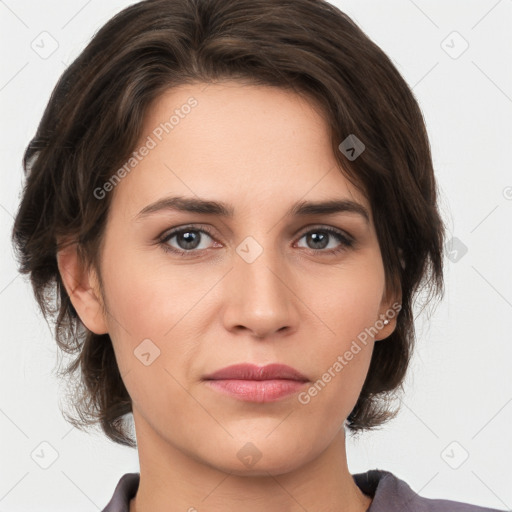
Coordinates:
[264,285]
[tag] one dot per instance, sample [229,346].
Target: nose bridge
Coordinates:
[260,297]
[259,266]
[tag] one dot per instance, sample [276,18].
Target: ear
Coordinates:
[82,286]
[390,307]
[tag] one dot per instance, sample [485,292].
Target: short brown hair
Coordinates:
[94,118]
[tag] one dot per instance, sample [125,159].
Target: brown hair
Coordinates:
[93,121]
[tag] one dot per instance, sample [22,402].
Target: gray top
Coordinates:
[389,493]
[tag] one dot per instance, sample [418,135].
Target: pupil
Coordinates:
[189,244]
[322,238]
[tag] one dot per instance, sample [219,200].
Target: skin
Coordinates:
[259,149]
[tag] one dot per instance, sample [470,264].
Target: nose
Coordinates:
[259,297]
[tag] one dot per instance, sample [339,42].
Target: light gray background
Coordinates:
[458,399]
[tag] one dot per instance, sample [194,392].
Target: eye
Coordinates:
[320,237]
[189,240]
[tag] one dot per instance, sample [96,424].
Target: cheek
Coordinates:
[154,313]
[349,311]
[341,361]
[145,299]
[349,300]
[146,318]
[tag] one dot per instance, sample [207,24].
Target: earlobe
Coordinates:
[82,286]
[386,323]
[390,309]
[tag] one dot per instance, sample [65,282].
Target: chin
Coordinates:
[262,457]
[276,466]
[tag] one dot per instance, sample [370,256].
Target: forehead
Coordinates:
[237,143]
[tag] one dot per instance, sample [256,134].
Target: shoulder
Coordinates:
[123,493]
[391,493]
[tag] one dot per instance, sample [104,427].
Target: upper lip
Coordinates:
[248,371]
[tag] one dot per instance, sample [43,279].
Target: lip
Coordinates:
[247,371]
[252,383]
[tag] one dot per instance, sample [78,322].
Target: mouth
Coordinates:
[252,383]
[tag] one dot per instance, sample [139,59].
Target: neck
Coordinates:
[172,481]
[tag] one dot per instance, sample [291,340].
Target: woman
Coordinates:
[236,204]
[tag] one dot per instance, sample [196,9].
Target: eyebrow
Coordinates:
[208,207]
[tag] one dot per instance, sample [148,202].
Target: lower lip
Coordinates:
[257,390]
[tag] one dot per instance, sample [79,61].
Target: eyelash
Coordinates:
[345,241]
